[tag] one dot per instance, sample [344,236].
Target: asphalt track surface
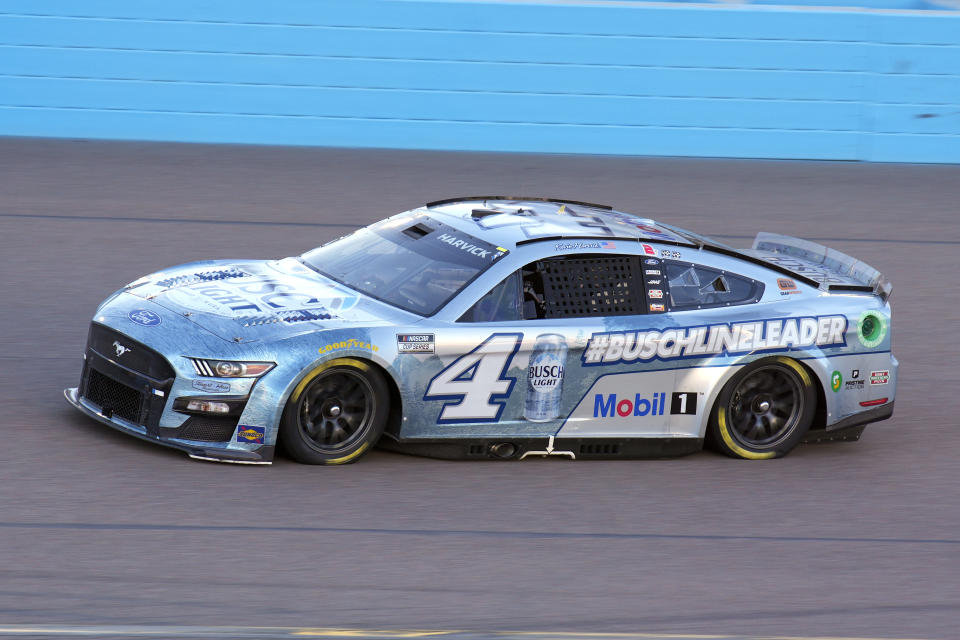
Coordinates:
[103,535]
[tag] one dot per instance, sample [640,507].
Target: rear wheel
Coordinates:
[336,413]
[764,411]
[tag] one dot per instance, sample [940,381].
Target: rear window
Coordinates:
[415,263]
[694,286]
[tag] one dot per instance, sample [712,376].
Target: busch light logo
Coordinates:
[545,378]
[144,317]
[611,406]
[546,373]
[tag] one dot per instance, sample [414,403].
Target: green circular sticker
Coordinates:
[836,380]
[872,328]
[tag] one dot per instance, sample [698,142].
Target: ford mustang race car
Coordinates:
[501,328]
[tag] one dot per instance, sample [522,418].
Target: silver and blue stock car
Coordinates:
[503,328]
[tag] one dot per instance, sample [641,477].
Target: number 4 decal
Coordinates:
[477,383]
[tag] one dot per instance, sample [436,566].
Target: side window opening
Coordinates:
[500,304]
[697,287]
[717,286]
[583,286]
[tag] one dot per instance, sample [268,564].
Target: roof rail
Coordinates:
[436,203]
[635,239]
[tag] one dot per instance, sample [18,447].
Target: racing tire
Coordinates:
[336,413]
[764,411]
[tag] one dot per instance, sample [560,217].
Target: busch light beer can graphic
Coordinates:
[545,378]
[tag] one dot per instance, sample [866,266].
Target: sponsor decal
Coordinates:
[655,294]
[211,386]
[250,435]
[546,375]
[651,262]
[853,385]
[668,253]
[654,281]
[871,329]
[352,343]
[584,244]
[266,294]
[879,377]
[691,342]
[652,272]
[144,317]
[787,286]
[647,249]
[463,245]
[836,381]
[119,348]
[545,378]
[683,403]
[657,306]
[611,405]
[415,342]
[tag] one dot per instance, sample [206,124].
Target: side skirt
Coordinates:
[526,448]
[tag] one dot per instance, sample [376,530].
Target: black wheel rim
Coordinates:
[765,407]
[335,410]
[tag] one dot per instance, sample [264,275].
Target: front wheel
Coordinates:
[336,413]
[764,411]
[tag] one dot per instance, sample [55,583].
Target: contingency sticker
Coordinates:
[415,342]
[250,435]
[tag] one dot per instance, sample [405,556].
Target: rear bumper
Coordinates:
[849,429]
[875,414]
[263,455]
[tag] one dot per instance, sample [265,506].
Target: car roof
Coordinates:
[507,221]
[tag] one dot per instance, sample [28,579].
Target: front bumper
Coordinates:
[263,455]
[132,388]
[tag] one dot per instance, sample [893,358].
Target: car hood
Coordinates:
[259,300]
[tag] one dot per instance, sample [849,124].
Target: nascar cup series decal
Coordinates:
[689,342]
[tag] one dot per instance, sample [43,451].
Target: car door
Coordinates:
[525,368]
[619,397]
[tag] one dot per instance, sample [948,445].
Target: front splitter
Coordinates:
[264,455]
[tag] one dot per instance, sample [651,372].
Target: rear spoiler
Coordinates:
[828,268]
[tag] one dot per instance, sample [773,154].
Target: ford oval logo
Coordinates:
[144,317]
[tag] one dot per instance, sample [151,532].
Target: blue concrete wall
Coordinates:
[590,77]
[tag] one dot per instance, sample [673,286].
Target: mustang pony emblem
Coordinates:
[120,348]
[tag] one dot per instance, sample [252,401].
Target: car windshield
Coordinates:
[415,263]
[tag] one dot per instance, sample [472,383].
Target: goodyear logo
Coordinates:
[352,343]
[250,435]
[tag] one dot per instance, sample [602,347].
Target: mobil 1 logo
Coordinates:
[683,403]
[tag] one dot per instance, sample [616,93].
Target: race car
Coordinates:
[498,328]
